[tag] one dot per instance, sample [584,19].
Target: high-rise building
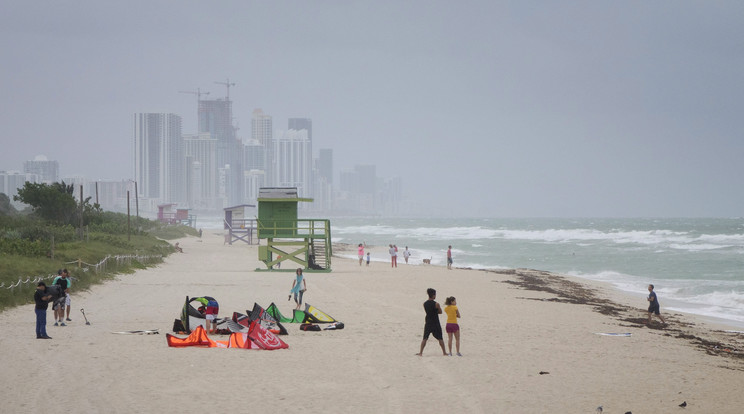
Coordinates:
[293,161]
[159,157]
[201,163]
[261,127]
[48,171]
[254,156]
[11,181]
[253,180]
[302,123]
[215,117]
[262,133]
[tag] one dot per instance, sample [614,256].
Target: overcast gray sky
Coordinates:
[485,108]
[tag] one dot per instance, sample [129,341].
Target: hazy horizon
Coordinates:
[486,109]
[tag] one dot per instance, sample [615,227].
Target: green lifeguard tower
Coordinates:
[306,242]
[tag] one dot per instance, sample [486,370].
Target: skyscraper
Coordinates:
[48,171]
[262,132]
[159,157]
[215,117]
[293,161]
[201,162]
[302,123]
[11,181]
[325,164]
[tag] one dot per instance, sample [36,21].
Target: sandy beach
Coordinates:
[515,324]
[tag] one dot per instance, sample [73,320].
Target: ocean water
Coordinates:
[696,265]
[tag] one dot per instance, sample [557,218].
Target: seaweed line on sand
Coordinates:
[713,343]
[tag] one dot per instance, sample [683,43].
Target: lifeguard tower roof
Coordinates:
[239,206]
[279,194]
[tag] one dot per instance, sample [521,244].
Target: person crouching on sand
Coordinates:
[452,326]
[432,326]
[653,305]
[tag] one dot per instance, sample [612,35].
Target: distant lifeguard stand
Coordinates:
[306,242]
[166,214]
[238,226]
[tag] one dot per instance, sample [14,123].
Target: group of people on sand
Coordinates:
[393,251]
[434,328]
[60,302]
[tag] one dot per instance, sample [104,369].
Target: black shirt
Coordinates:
[62,282]
[432,315]
[41,303]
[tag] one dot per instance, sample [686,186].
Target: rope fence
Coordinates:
[96,268]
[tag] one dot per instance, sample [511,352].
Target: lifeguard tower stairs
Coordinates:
[291,242]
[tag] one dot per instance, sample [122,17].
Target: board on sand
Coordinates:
[142,332]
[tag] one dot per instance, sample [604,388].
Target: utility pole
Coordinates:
[228,84]
[136,199]
[81,213]
[129,222]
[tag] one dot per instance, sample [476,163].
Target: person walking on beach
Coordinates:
[452,327]
[41,297]
[653,305]
[360,253]
[298,288]
[449,257]
[393,256]
[432,326]
[406,254]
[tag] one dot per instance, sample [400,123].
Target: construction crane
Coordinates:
[198,94]
[228,85]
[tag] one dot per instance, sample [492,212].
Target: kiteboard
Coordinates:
[141,332]
[613,333]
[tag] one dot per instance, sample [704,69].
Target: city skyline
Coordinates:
[491,109]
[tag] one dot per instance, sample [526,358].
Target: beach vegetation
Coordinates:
[35,244]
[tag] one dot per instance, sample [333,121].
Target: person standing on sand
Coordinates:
[406,254]
[653,305]
[432,326]
[41,297]
[449,257]
[452,327]
[68,301]
[59,305]
[392,255]
[360,253]
[298,287]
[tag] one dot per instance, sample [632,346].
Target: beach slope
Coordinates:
[530,344]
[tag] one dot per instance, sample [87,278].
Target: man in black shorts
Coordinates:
[432,325]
